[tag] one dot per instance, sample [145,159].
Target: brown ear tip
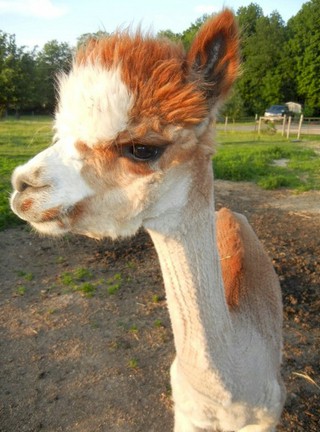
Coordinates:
[224,22]
[228,20]
[227,14]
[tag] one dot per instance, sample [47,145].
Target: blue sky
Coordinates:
[35,22]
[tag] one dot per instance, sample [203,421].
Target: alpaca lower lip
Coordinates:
[50,219]
[53,222]
[57,214]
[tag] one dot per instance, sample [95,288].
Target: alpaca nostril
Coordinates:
[23,179]
[22,182]
[21,186]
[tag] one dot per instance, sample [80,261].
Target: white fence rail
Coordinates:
[288,126]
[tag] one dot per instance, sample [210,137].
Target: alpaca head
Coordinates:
[131,130]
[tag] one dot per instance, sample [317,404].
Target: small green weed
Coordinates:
[116,277]
[157,323]
[80,280]
[112,289]
[113,345]
[114,284]
[87,289]
[133,329]
[21,290]
[78,275]
[60,260]
[133,363]
[26,276]
[155,298]
[67,278]
[82,273]
[29,277]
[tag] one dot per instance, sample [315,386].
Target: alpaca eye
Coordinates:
[142,153]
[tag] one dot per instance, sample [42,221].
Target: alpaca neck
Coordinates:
[191,270]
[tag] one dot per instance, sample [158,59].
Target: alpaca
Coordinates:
[132,148]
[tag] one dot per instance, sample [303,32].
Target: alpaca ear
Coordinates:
[214,55]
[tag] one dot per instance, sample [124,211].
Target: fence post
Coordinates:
[259,125]
[283,124]
[300,126]
[288,128]
[226,124]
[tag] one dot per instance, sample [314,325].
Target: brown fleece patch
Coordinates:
[141,134]
[156,73]
[137,168]
[98,161]
[50,214]
[76,212]
[26,204]
[105,162]
[231,251]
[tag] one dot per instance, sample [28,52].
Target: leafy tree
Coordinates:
[25,86]
[54,58]
[174,37]
[16,75]
[86,36]
[304,48]
[8,70]
[247,19]
[260,84]
[233,107]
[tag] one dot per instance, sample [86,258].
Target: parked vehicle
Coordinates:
[278,111]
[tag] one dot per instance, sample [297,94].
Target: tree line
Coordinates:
[280,63]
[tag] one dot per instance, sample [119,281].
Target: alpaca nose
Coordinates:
[23,180]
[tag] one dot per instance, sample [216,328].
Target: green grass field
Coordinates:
[19,140]
[240,156]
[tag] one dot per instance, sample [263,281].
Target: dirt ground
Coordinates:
[89,350]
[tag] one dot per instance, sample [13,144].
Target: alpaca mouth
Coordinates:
[55,221]
[59,221]
[63,216]
[52,215]
[27,210]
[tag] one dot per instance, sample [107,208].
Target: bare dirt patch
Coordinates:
[98,360]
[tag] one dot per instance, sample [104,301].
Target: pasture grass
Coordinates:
[241,156]
[245,157]
[19,141]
